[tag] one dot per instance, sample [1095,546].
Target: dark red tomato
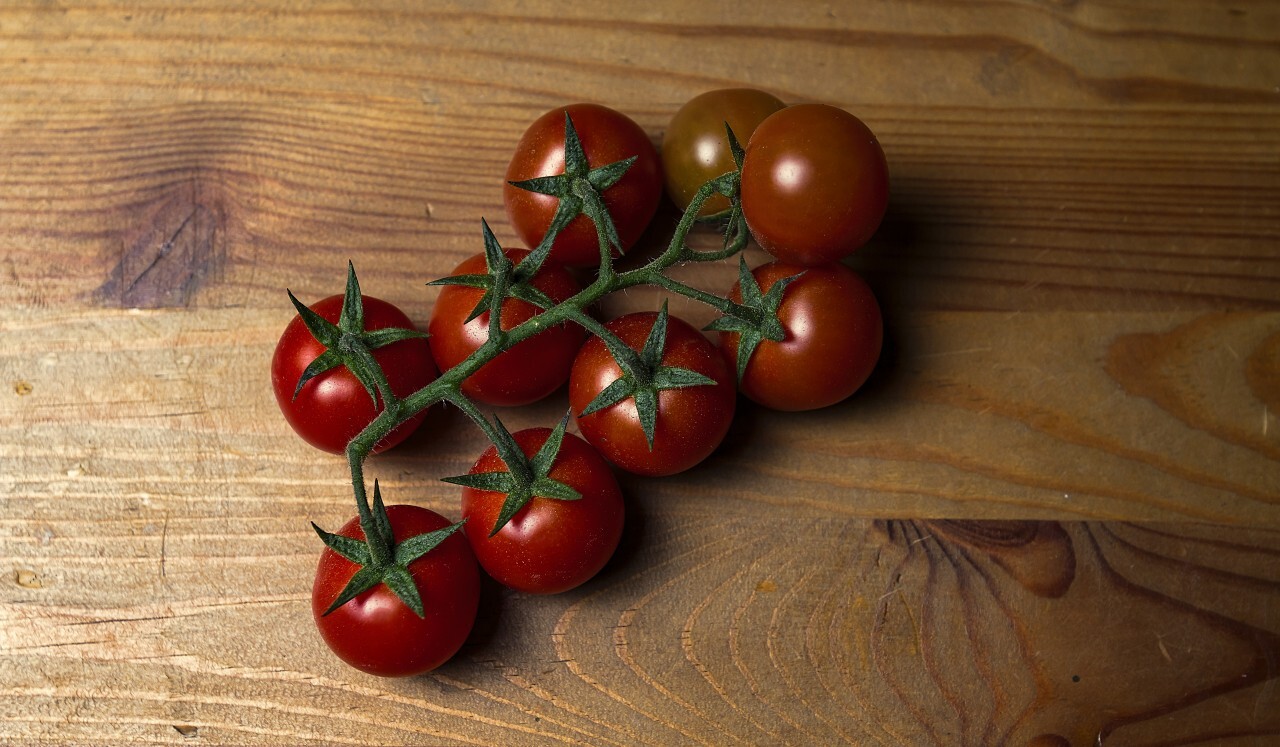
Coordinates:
[833,337]
[815,184]
[607,136]
[333,407]
[691,421]
[375,632]
[695,148]
[524,373]
[549,545]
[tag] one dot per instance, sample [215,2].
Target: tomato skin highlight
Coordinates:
[607,136]
[834,332]
[695,148]
[691,421]
[549,546]
[526,372]
[815,184]
[332,408]
[375,632]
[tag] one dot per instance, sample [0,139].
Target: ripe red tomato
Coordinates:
[833,337]
[695,148]
[691,421]
[549,545]
[334,407]
[815,184]
[524,373]
[375,632]
[607,136]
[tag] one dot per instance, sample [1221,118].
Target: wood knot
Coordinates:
[28,579]
[173,249]
[1037,554]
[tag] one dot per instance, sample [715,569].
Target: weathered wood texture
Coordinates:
[706,631]
[1052,517]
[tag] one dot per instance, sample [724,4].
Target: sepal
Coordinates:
[325,361]
[611,395]
[325,332]
[348,547]
[351,319]
[418,545]
[606,176]
[543,185]
[364,579]
[735,148]
[400,582]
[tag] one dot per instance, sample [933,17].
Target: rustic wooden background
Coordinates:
[1050,518]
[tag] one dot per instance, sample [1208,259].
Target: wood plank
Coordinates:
[1043,155]
[1063,415]
[702,631]
[1092,209]
[943,52]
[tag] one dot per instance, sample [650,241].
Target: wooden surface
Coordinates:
[1051,518]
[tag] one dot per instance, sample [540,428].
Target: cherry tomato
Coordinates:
[549,545]
[691,421]
[333,407]
[833,337]
[607,136]
[524,373]
[695,148]
[375,632]
[815,184]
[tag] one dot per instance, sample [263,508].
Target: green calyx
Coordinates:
[347,343]
[381,559]
[756,318]
[643,375]
[524,478]
[503,280]
[579,189]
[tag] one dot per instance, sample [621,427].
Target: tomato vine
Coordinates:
[523,471]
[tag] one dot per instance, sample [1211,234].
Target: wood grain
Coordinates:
[990,210]
[1122,415]
[1064,155]
[1049,519]
[702,632]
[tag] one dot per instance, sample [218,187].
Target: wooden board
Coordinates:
[725,631]
[1052,517]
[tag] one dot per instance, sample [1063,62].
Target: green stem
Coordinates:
[379,547]
[356,461]
[676,248]
[495,432]
[723,305]
[628,360]
[469,408]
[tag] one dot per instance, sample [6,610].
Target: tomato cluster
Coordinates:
[542,512]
